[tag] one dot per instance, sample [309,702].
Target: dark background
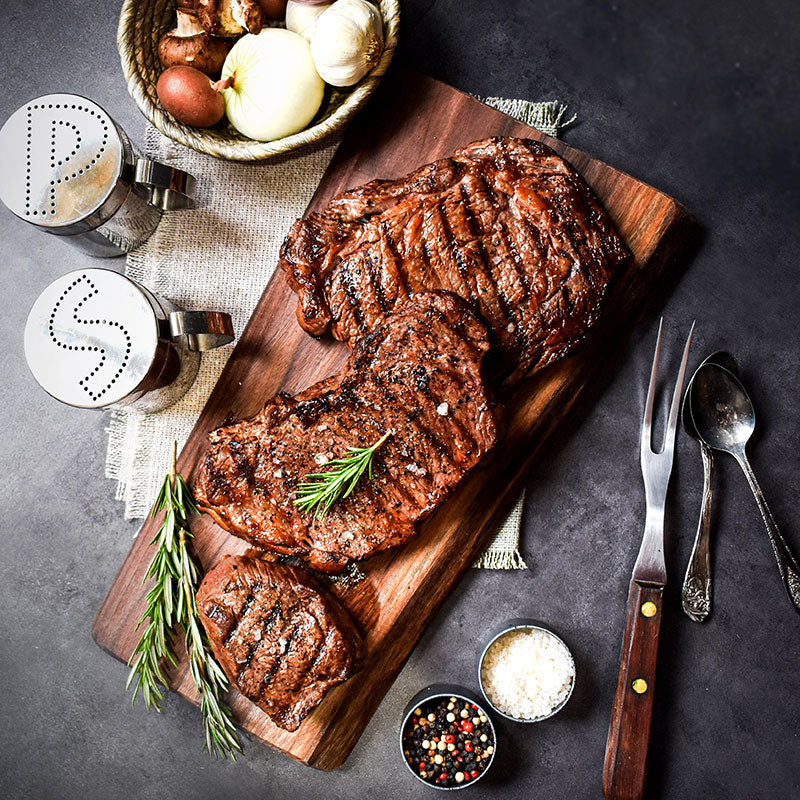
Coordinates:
[699,99]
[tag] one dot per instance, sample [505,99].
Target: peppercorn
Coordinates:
[444,739]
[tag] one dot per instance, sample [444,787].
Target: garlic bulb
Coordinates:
[347,41]
[302,17]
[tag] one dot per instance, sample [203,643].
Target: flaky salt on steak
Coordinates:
[418,375]
[282,640]
[505,223]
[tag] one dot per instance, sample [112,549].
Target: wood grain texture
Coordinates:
[631,715]
[412,120]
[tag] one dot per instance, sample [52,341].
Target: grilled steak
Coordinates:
[281,639]
[505,223]
[418,375]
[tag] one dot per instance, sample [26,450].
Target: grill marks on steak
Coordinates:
[419,375]
[505,223]
[281,639]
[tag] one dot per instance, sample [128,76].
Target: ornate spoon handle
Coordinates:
[696,593]
[787,563]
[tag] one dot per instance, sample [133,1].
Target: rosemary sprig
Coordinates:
[171,605]
[321,490]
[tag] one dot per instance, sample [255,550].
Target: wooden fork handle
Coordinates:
[631,714]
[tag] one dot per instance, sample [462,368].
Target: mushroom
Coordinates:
[229,17]
[273,9]
[189,45]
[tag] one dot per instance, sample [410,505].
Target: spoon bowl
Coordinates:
[722,359]
[721,410]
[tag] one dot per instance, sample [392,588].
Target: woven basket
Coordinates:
[141,25]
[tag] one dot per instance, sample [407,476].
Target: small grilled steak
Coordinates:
[282,640]
[505,223]
[418,375]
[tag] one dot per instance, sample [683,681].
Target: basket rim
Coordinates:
[235,150]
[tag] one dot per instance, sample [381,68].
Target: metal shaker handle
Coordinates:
[169,188]
[202,330]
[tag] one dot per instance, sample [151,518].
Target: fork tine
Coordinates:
[669,439]
[647,423]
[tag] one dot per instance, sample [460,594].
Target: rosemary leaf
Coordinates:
[171,606]
[321,490]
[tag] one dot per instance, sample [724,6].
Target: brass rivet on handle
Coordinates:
[649,609]
[639,686]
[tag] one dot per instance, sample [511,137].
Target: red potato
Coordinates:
[190,96]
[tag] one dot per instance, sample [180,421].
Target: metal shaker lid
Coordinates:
[91,338]
[61,157]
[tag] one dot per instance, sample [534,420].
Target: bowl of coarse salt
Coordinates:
[526,672]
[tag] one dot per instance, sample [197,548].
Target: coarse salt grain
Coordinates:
[527,673]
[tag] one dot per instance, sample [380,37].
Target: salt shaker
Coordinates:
[97,339]
[69,169]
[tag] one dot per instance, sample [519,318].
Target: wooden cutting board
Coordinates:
[412,120]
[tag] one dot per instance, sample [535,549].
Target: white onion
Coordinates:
[276,89]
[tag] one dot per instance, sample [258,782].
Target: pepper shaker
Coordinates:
[69,169]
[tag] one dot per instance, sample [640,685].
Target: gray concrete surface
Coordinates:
[699,99]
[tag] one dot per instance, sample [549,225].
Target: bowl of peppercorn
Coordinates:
[446,738]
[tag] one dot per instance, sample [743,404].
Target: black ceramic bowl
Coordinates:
[441,691]
[515,625]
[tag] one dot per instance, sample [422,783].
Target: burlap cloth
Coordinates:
[221,255]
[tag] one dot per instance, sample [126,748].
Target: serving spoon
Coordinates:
[696,592]
[724,418]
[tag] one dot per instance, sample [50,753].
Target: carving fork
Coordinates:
[629,732]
